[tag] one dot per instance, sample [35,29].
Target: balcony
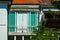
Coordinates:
[21,31]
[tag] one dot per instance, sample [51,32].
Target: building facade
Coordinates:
[3,19]
[23,18]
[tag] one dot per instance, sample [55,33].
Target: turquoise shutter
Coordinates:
[12,22]
[32,21]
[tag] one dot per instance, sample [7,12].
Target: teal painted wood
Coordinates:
[12,22]
[32,20]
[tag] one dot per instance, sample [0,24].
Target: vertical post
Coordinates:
[30,21]
[15,21]
[37,18]
[41,16]
[14,37]
[30,37]
[15,27]
[22,37]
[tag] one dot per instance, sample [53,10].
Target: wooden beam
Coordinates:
[5,2]
[20,33]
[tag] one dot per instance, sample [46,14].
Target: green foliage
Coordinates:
[46,34]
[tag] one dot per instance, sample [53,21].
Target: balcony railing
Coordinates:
[16,29]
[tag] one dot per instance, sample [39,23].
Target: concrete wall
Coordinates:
[3,24]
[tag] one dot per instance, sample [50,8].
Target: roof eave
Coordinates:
[5,2]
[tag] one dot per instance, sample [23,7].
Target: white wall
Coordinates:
[3,24]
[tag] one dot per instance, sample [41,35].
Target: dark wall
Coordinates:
[52,22]
[47,15]
[5,0]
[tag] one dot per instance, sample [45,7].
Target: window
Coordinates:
[23,21]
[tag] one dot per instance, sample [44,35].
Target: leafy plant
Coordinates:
[46,34]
